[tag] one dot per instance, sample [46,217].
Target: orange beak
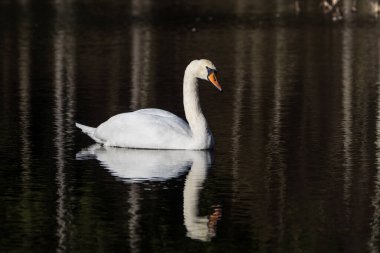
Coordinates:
[212,78]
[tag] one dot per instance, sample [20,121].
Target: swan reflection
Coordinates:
[137,165]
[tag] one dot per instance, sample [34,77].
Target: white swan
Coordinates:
[159,129]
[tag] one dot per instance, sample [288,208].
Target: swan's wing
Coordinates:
[148,128]
[157,112]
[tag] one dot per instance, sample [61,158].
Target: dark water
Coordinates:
[297,160]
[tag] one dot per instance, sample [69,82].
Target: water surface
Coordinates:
[297,128]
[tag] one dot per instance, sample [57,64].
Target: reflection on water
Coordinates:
[64,113]
[201,228]
[238,100]
[133,200]
[375,222]
[347,61]
[374,240]
[139,165]
[297,131]
[24,106]
[275,161]
[134,165]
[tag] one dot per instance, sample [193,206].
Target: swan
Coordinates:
[159,129]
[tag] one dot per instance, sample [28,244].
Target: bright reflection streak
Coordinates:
[375,224]
[59,140]
[64,113]
[240,37]
[347,114]
[24,63]
[275,145]
[24,89]
[133,224]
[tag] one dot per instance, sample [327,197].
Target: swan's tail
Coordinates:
[90,131]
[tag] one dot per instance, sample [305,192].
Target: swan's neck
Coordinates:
[193,111]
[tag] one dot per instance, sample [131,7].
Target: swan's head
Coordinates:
[206,70]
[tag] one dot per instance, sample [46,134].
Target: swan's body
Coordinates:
[146,128]
[159,129]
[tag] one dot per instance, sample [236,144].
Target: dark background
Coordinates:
[296,165]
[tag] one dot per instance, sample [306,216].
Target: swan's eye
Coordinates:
[210,70]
